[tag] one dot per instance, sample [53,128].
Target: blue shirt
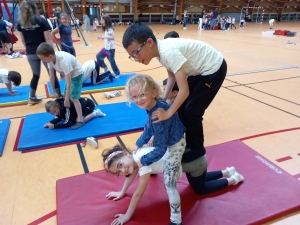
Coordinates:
[65,34]
[166,133]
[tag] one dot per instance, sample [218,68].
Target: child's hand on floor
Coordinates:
[14,93]
[115,195]
[49,125]
[122,218]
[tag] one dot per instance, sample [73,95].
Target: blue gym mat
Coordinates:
[4,128]
[7,100]
[120,118]
[87,87]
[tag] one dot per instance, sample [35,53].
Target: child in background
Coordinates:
[109,47]
[91,70]
[272,23]
[242,24]
[95,24]
[169,141]
[66,117]
[8,77]
[69,66]
[65,32]
[121,163]
[233,22]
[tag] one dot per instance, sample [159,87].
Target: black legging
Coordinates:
[207,182]
[232,26]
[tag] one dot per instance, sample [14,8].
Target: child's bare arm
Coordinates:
[11,92]
[127,183]
[143,182]
[68,90]
[161,114]
[52,81]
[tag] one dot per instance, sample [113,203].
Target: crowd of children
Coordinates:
[174,117]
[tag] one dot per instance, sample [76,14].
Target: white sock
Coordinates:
[231,170]
[237,178]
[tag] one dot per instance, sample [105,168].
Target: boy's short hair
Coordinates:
[41,12]
[45,49]
[171,34]
[49,105]
[14,77]
[138,32]
[174,88]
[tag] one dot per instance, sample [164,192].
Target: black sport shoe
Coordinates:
[34,100]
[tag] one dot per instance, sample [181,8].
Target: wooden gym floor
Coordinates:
[259,95]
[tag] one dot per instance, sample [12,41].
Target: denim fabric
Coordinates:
[184,22]
[110,54]
[166,133]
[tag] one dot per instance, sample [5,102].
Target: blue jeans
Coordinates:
[184,22]
[110,54]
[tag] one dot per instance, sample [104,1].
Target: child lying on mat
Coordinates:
[67,116]
[8,77]
[121,163]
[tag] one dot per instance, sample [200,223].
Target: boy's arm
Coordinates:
[170,84]
[183,93]
[52,81]
[68,90]
[11,92]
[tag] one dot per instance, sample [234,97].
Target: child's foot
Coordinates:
[34,100]
[237,178]
[77,125]
[105,70]
[231,171]
[98,112]
[92,141]
[115,75]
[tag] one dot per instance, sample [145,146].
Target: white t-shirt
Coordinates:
[108,43]
[154,168]
[66,64]
[195,57]
[4,76]
[88,67]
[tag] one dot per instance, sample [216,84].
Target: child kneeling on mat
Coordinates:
[8,77]
[67,116]
[91,70]
[120,162]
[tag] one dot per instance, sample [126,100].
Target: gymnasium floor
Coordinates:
[260,95]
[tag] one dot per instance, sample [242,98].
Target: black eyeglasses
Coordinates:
[134,56]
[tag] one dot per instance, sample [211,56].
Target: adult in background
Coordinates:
[214,19]
[185,18]
[87,23]
[201,19]
[34,30]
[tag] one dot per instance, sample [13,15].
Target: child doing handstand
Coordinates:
[66,117]
[169,141]
[67,65]
[120,162]
[8,77]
